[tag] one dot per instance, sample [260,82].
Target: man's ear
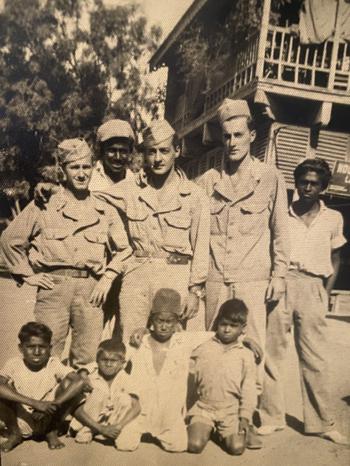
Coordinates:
[177,149]
[252,135]
[20,347]
[244,329]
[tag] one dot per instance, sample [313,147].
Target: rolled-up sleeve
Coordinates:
[280,230]
[15,241]
[199,237]
[338,239]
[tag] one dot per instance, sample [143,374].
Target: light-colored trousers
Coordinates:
[67,306]
[305,307]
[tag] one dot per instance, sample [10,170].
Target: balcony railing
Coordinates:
[287,60]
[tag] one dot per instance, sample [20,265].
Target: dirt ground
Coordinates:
[287,448]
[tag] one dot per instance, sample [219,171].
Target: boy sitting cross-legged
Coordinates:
[37,391]
[111,407]
[225,378]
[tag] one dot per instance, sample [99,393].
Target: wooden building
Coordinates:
[297,86]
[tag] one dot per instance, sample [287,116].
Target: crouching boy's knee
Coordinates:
[235,444]
[196,445]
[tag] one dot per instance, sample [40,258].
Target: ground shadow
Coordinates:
[295,423]
[346,399]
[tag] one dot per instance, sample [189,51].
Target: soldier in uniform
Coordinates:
[249,226]
[62,248]
[168,224]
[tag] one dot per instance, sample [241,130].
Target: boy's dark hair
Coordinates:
[233,310]
[111,345]
[317,165]
[35,329]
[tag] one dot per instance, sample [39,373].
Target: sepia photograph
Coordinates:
[175,232]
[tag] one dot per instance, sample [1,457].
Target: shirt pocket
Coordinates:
[54,246]
[218,217]
[254,217]
[136,223]
[177,230]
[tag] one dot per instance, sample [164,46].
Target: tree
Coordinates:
[64,64]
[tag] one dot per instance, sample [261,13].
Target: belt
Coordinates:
[170,258]
[69,272]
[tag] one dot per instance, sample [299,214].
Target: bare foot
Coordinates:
[11,442]
[54,442]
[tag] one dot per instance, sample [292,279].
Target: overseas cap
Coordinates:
[157,132]
[115,129]
[71,150]
[167,300]
[233,108]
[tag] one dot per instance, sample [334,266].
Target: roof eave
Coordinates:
[180,26]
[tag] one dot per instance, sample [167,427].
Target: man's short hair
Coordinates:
[112,346]
[316,165]
[233,310]
[35,329]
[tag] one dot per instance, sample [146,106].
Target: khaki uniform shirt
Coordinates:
[39,239]
[224,373]
[100,180]
[175,221]
[249,237]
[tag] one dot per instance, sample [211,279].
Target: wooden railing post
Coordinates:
[265,20]
[336,39]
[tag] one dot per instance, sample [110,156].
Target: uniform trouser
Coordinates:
[305,306]
[139,287]
[253,294]
[67,305]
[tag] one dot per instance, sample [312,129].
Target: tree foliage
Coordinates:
[63,64]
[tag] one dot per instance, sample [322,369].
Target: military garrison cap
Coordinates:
[71,150]
[233,108]
[157,132]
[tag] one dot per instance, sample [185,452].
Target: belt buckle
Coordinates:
[177,259]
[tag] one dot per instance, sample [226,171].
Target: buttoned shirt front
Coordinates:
[249,238]
[175,219]
[114,396]
[62,235]
[312,246]
[224,372]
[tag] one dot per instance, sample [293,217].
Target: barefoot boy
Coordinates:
[225,377]
[36,391]
[110,407]
[160,371]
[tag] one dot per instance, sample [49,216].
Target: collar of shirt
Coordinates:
[175,340]
[237,344]
[323,207]
[90,216]
[178,187]
[101,171]
[224,187]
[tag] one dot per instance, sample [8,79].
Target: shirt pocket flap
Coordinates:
[96,236]
[178,221]
[54,233]
[136,215]
[254,207]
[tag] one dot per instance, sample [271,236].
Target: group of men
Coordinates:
[229,236]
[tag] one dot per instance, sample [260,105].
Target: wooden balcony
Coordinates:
[278,63]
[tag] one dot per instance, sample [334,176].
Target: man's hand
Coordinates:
[46,407]
[111,431]
[191,307]
[137,336]
[276,289]
[43,192]
[243,425]
[100,292]
[42,280]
